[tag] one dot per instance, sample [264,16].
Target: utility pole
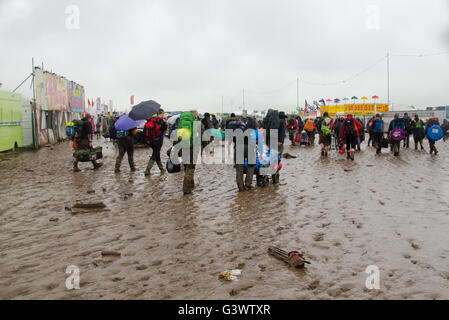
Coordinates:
[34,109]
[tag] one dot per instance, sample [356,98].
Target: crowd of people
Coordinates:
[345,134]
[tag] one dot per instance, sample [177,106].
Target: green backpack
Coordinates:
[78,124]
[186,120]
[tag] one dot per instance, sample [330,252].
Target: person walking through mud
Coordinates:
[378,128]
[360,132]
[349,136]
[83,141]
[408,131]
[309,127]
[396,132]
[292,128]
[185,131]
[125,145]
[417,128]
[98,127]
[325,135]
[154,133]
[370,130]
[431,122]
[249,148]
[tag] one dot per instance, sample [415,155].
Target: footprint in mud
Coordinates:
[357,224]
[381,203]
[313,285]
[414,245]
[235,291]
[318,236]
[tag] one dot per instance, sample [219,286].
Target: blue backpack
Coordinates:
[378,124]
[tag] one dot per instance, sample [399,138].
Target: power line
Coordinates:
[347,79]
[421,55]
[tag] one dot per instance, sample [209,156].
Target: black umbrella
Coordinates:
[144,110]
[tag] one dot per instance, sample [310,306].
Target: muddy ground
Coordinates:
[378,210]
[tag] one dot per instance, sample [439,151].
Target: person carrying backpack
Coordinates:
[325,135]
[185,131]
[398,125]
[349,134]
[417,128]
[248,149]
[360,132]
[408,131]
[430,123]
[154,133]
[378,128]
[292,128]
[125,145]
[370,130]
[83,140]
[309,127]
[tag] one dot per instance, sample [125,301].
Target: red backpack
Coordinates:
[152,130]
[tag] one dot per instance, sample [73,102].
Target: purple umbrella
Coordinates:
[126,123]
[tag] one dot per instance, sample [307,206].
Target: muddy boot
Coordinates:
[325,154]
[322,153]
[249,177]
[416,146]
[351,155]
[188,184]
[422,147]
[75,167]
[348,156]
[149,166]
[435,150]
[239,177]
[161,167]
[97,165]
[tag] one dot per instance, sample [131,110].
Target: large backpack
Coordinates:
[152,130]
[378,125]
[74,129]
[349,126]
[309,126]
[185,126]
[271,120]
[399,123]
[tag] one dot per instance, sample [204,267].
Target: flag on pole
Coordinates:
[132,99]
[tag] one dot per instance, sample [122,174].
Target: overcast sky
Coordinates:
[191,53]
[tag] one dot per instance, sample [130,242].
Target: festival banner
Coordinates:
[340,109]
[380,107]
[56,93]
[40,89]
[57,98]
[349,108]
[76,97]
